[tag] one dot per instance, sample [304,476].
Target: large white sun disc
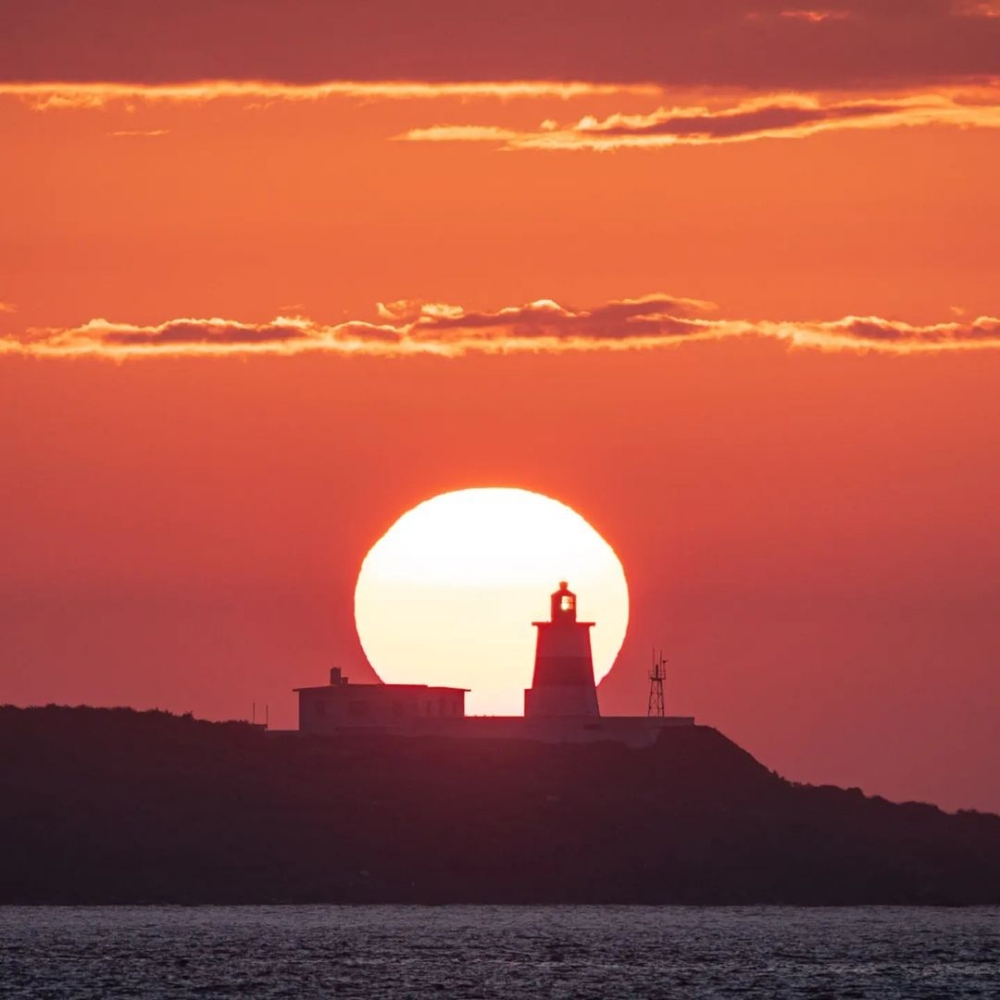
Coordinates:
[447,596]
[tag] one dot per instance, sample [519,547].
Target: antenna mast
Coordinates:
[655,707]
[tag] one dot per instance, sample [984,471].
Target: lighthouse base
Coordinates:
[561,700]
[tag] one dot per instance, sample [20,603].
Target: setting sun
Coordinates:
[447,596]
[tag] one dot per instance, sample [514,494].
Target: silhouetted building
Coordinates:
[559,707]
[340,705]
[563,683]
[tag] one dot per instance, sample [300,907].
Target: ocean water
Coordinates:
[485,952]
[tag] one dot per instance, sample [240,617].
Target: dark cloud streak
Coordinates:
[410,329]
[764,119]
[758,44]
[781,116]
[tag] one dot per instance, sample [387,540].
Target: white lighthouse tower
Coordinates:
[563,682]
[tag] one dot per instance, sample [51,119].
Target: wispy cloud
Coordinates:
[977,8]
[809,16]
[53,94]
[787,116]
[7,307]
[407,329]
[139,133]
[816,16]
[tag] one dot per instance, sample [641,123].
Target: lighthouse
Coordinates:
[563,682]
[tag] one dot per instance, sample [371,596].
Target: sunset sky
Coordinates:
[723,276]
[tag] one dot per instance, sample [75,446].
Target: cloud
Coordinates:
[408,329]
[760,45]
[810,16]
[7,307]
[48,95]
[282,335]
[977,8]
[780,115]
[788,116]
[816,16]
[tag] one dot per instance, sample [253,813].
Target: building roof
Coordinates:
[382,687]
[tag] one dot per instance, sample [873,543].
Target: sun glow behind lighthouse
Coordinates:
[447,596]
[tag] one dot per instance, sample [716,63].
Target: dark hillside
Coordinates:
[101,805]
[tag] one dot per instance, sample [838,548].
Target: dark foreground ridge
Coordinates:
[117,806]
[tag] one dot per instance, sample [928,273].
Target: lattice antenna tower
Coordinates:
[656,675]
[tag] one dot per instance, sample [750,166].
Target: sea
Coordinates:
[498,951]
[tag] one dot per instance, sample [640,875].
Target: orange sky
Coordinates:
[805,508]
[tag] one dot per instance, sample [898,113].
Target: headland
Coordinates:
[119,806]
